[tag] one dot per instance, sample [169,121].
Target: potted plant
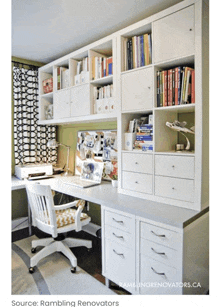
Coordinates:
[114,181]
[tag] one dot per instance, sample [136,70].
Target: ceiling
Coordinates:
[44,30]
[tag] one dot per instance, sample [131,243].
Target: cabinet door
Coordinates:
[62,104]
[80,100]
[137,90]
[174,35]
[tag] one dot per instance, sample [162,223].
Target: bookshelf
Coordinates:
[178,39]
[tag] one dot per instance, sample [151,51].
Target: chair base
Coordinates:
[52,246]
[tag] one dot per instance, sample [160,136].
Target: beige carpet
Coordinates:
[52,276]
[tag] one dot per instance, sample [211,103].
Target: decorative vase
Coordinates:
[115,183]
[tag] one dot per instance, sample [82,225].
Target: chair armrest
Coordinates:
[77,218]
[66,206]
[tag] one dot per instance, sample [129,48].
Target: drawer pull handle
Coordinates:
[136,181]
[157,252]
[157,272]
[121,255]
[120,222]
[162,236]
[119,237]
[136,162]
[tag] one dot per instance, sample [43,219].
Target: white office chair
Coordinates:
[55,220]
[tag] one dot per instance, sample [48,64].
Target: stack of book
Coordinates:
[144,138]
[175,86]
[101,67]
[103,92]
[138,51]
[62,78]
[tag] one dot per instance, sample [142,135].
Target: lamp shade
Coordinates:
[52,143]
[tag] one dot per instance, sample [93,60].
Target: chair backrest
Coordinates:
[41,203]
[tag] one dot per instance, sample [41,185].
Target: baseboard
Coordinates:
[19,223]
[22,222]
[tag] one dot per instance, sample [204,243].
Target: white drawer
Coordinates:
[137,182]
[181,189]
[119,221]
[161,235]
[142,163]
[174,166]
[119,236]
[156,276]
[159,252]
[119,263]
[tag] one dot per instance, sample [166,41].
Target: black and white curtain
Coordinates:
[30,139]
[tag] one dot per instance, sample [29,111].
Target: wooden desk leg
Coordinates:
[29,220]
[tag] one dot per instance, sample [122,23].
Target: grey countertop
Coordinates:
[105,195]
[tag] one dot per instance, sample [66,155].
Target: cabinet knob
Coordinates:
[173,166]
[136,162]
[173,188]
[190,29]
[136,181]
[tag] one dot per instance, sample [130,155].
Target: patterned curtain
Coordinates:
[30,139]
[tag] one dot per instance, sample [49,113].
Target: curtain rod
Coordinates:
[31,65]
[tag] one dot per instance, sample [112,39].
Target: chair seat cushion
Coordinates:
[67,216]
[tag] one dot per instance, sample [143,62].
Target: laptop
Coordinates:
[91,175]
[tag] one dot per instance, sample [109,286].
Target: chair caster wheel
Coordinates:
[31,270]
[33,250]
[73,270]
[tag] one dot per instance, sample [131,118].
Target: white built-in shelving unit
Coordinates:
[150,250]
[178,39]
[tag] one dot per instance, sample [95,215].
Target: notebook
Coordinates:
[91,175]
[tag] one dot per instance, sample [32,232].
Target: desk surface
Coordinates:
[105,195]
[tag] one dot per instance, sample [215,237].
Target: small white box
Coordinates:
[105,105]
[112,105]
[129,140]
[77,79]
[99,105]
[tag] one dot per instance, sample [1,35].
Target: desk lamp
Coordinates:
[53,144]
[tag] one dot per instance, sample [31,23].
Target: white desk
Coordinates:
[140,218]
[106,195]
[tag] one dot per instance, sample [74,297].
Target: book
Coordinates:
[146,50]
[58,78]
[165,103]
[173,87]
[142,50]
[110,66]
[158,89]
[193,87]
[169,88]
[150,48]
[134,51]
[161,90]
[176,85]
